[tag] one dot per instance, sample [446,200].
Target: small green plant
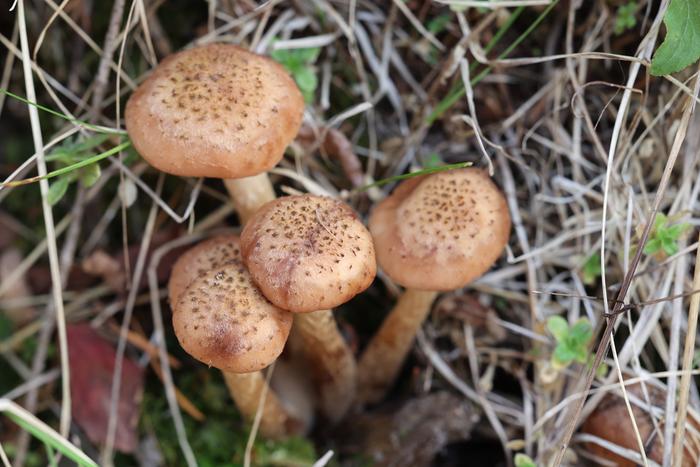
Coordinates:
[696,359]
[602,370]
[680,47]
[71,153]
[663,238]
[572,341]
[220,440]
[300,64]
[433,160]
[591,269]
[625,18]
[438,24]
[523,460]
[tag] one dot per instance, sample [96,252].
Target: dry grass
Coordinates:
[587,146]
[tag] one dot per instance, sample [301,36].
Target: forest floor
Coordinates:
[555,99]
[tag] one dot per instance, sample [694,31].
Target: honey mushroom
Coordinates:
[221,319]
[433,233]
[217,111]
[309,254]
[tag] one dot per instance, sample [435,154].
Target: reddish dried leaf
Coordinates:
[92,361]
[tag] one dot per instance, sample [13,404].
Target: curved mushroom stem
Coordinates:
[333,365]
[245,389]
[381,361]
[249,194]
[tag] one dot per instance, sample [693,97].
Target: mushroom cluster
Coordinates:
[221,111]
[221,319]
[233,300]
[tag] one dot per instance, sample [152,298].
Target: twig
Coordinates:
[126,321]
[3,456]
[258,418]
[159,339]
[686,366]
[102,76]
[49,223]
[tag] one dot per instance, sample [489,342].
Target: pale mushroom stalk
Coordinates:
[392,342]
[326,350]
[433,233]
[308,254]
[249,194]
[245,390]
[221,319]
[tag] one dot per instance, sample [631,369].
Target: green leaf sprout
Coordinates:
[625,18]
[591,270]
[663,238]
[300,64]
[572,341]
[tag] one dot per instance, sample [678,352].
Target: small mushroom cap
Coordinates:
[441,231]
[308,253]
[203,257]
[221,318]
[215,111]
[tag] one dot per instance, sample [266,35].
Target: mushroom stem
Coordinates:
[246,389]
[249,194]
[381,361]
[332,362]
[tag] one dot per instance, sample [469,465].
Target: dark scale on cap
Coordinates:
[237,329]
[441,231]
[442,209]
[308,253]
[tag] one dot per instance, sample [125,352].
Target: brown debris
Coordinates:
[335,144]
[414,434]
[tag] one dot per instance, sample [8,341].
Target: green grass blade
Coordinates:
[89,160]
[48,110]
[72,167]
[44,433]
[396,178]
[459,91]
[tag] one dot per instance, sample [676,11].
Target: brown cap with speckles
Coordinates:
[219,315]
[441,231]
[215,111]
[308,253]
[203,257]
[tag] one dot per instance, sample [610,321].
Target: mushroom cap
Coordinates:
[441,231]
[308,253]
[220,317]
[203,257]
[215,111]
[611,421]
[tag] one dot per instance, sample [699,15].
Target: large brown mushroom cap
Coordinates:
[308,253]
[215,111]
[221,318]
[441,231]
